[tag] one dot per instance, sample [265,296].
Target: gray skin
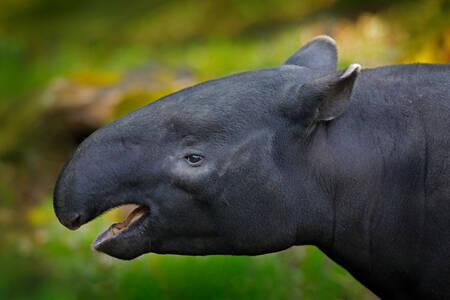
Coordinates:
[354,162]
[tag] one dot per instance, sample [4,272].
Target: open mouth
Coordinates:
[117,230]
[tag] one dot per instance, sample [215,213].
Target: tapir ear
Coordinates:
[322,99]
[318,54]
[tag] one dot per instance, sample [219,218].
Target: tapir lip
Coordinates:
[128,242]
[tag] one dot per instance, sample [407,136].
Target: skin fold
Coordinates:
[353,161]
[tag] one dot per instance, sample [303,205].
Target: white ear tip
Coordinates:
[325,38]
[351,69]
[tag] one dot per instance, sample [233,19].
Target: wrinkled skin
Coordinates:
[356,163]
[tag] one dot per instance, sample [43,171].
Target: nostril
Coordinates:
[75,222]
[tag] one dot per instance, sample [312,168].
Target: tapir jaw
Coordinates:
[123,240]
[127,239]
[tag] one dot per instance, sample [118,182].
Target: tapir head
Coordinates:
[223,167]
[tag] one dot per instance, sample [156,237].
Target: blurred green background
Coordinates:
[69,67]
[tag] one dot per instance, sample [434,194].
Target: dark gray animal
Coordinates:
[356,163]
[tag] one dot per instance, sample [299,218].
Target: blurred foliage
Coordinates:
[67,67]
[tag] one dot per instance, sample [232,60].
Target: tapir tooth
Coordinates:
[115,230]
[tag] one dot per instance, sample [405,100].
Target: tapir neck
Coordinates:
[378,172]
[348,239]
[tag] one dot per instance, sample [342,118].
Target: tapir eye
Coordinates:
[194,159]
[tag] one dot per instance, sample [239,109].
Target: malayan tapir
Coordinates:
[356,162]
